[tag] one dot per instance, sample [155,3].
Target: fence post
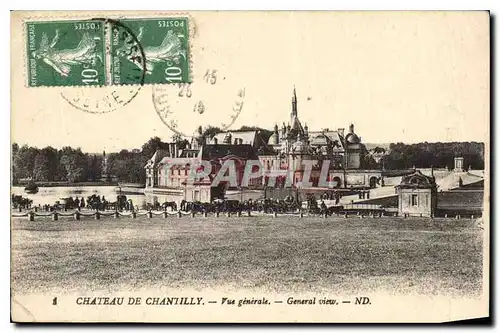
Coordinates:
[249,214]
[301,214]
[116,214]
[239,213]
[31,216]
[150,214]
[165,214]
[55,216]
[217,214]
[36,209]
[77,216]
[179,214]
[97,215]
[205,214]
[275,214]
[228,214]
[193,213]
[19,209]
[134,214]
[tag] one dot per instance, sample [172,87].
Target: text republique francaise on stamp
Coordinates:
[74,52]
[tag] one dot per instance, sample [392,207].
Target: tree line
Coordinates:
[50,164]
[72,165]
[433,154]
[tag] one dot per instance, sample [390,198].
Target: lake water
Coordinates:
[49,195]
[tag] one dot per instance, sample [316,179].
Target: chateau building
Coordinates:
[286,149]
[168,173]
[291,145]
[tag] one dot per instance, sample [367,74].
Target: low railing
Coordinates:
[77,214]
[362,206]
[55,215]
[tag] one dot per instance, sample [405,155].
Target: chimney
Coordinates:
[432,171]
[241,141]
[351,128]
[171,150]
[215,141]
[236,141]
[341,131]
[175,149]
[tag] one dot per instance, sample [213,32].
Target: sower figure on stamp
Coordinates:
[170,49]
[62,60]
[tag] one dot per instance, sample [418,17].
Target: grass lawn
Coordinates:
[275,254]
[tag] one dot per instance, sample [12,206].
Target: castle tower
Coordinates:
[294,105]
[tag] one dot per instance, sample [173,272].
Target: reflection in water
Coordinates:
[49,195]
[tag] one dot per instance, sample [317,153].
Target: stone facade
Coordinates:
[200,192]
[356,178]
[417,195]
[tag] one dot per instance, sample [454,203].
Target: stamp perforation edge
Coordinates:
[87,16]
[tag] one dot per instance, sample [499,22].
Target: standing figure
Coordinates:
[62,60]
[170,49]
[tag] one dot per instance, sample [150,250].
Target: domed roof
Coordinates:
[273,139]
[352,138]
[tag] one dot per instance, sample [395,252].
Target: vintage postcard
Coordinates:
[313,167]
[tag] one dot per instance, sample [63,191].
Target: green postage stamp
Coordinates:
[70,53]
[164,44]
[102,52]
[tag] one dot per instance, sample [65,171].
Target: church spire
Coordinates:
[294,103]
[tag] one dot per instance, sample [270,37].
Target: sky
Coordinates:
[397,76]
